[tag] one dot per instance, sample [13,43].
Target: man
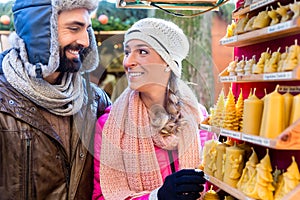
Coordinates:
[48,108]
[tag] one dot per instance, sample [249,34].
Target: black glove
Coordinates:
[185,184]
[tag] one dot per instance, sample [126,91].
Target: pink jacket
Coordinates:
[162,155]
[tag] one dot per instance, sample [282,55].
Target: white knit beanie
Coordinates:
[165,37]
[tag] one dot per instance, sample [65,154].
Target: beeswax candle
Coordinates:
[273,114]
[234,164]
[252,114]
[288,102]
[289,181]
[221,148]
[295,114]
[209,157]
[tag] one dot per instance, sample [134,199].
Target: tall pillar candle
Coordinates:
[273,114]
[252,114]
[295,114]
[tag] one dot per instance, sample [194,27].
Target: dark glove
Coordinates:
[185,184]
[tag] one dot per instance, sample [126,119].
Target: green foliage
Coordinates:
[225,12]
[5,9]
[119,18]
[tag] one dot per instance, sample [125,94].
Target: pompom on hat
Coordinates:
[165,37]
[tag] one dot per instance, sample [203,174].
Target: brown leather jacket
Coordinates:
[33,161]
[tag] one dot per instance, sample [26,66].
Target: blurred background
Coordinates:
[207,58]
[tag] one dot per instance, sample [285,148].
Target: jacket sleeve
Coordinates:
[103,100]
[97,193]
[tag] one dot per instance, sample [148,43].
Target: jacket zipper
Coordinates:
[171,159]
[27,170]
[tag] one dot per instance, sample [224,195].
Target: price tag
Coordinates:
[295,89]
[271,76]
[266,142]
[224,41]
[284,75]
[256,140]
[260,4]
[280,27]
[205,127]
[278,76]
[228,78]
[230,133]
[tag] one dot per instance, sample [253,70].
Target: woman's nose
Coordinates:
[129,61]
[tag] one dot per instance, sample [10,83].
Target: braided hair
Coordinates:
[170,120]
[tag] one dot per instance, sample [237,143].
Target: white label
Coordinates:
[284,75]
[287,88]
[271,76]
[260,4]
[228,40]
[279,27]
[230,133]
[205,127]
[228,78]
[278,76]
[256,140]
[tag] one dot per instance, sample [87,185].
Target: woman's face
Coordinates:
[145,69]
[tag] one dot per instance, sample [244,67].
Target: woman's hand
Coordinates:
[185,184]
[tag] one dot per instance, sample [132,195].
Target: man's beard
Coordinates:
[69,65]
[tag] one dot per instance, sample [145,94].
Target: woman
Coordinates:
[148,142]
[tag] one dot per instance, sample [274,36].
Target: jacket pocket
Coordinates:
[15,164]
[26,138]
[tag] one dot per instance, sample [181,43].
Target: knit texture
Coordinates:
[128,163]
[165,37]
[67,98]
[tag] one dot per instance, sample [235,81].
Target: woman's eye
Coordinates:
[142,51]
[126,52]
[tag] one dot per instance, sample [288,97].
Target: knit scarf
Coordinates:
[128,163]
[65,99]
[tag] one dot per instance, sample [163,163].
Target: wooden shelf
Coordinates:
[280,30]
[252,7]
[288,139]
[109,32]
[227,188]
[266,77]
[293,195]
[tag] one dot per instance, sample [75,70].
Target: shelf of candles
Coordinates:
[276,76]
[293,195]
[291,27]
[227,188]
[252,7]
[288,139]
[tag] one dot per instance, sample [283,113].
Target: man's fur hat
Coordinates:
[37,37]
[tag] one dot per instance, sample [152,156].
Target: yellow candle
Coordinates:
[221,148]
[209,157]
[295,115]
[273,115]
[252,114]
[288,102]
[234,164]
